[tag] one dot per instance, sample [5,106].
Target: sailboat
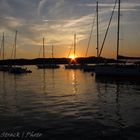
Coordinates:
[17,69]
[3,67]
[47,66]
[73,64]
[118,69]
[87,67]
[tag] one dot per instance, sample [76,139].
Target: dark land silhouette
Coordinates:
[81,60]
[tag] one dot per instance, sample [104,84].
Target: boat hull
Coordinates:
[5,68]
[117,70]
[48,66]
[19,70]
[73,66]
[88,68]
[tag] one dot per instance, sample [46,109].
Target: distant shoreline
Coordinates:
[81,60]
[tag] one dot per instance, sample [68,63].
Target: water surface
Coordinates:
[70,104]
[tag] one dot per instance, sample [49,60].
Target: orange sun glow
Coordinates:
[72,57]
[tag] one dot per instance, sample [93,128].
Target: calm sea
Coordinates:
[69,104]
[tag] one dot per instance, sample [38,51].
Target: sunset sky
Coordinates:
[58,20]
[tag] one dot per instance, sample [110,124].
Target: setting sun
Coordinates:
[72,57]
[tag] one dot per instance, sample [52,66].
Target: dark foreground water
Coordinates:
[70,105]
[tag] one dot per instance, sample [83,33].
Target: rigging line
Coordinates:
[15,44]
[108,28]
[70,51]
[1,47]
[52,51]
[75,41]
[40,51]
[12,51]
[90,36]
[43,48]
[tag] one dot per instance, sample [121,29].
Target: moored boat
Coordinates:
[17,69]
[44,65]
[73,64]
[5,68]
[48,66]
[88,68]
[117,69]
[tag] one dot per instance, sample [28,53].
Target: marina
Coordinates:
[70,70]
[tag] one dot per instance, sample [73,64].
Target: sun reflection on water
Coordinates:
[74,82]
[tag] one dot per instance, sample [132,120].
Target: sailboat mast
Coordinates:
[3,47]
[43,49]
[97,30]
[118,33]
[15,45]
[74,44]
[52,51]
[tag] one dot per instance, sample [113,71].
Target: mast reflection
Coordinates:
[53,80]
[48,77]
[44,80]
[4,91]
[106,87]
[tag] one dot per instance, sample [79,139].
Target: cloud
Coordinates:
[129,6]
[41,6]
[58,20]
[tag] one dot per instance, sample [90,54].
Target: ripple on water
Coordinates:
[71,104]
